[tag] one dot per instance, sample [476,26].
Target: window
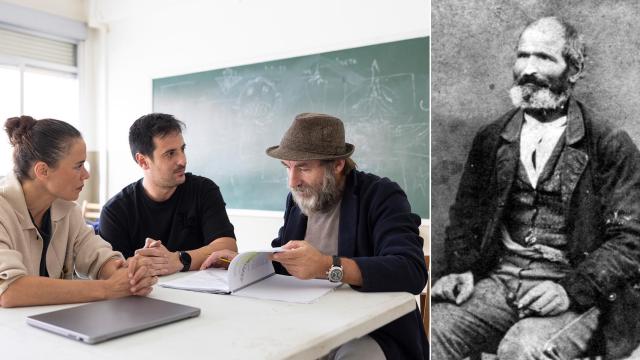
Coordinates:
[9,106]
[49,94]
[38,77]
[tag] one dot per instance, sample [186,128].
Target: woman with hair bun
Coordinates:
[44,240]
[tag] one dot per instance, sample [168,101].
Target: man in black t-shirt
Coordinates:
[171,219]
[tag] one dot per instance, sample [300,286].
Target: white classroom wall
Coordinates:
[70,9]
[138,40]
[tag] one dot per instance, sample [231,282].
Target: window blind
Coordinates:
[29,46]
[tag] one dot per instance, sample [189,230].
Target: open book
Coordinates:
[251,274]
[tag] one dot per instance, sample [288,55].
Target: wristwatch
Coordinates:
[335,271]
[185,259]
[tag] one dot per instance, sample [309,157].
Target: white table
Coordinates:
[229,327]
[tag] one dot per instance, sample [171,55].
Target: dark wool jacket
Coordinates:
[379,232]
[600,175]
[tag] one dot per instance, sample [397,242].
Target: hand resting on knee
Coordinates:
[454,287]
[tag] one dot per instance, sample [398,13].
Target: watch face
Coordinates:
[335,274]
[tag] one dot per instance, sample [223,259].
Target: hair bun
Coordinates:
[18,127]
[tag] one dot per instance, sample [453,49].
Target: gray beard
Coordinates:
[525,97]
[321,200]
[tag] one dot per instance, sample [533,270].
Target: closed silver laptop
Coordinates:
[99,321]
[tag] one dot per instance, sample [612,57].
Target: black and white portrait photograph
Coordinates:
[535,179]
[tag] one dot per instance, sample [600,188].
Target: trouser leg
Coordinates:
[635,354]
[564,336]
[481,321]
[362,348]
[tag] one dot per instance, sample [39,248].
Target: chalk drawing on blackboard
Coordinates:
[421,186]
[346,62]
[379,97]
[314,77]
[228,80]
[315,82]
[257,101]
[275,68]
[423,107]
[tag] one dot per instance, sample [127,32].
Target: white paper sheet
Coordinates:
[209,280]
[288,289]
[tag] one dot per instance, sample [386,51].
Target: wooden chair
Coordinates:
[425,302]
[425,296]
[90,211]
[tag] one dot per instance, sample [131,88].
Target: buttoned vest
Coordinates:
[536,215]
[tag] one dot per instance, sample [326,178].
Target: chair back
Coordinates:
[90,211]
[425,296]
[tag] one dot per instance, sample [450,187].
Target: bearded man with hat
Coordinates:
[348,226]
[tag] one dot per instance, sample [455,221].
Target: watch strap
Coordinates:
[185,259]
[336,261]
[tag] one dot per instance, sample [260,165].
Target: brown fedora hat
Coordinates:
[313,137]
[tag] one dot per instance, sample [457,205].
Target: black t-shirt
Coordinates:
[45,233]
[191,218]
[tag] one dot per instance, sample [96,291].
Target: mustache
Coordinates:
[179,169]
[532,79]
[301,189]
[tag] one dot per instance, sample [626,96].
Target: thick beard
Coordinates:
[537,98]
[317,200]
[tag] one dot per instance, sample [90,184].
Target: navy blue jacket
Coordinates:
[378,231]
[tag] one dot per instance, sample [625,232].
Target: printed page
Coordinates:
[288,289]
[209,280]
[247,268]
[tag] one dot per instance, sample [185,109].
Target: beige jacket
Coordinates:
[73,247]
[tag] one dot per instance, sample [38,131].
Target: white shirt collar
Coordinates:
[533,122]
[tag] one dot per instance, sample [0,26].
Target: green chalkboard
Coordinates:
[234,114]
